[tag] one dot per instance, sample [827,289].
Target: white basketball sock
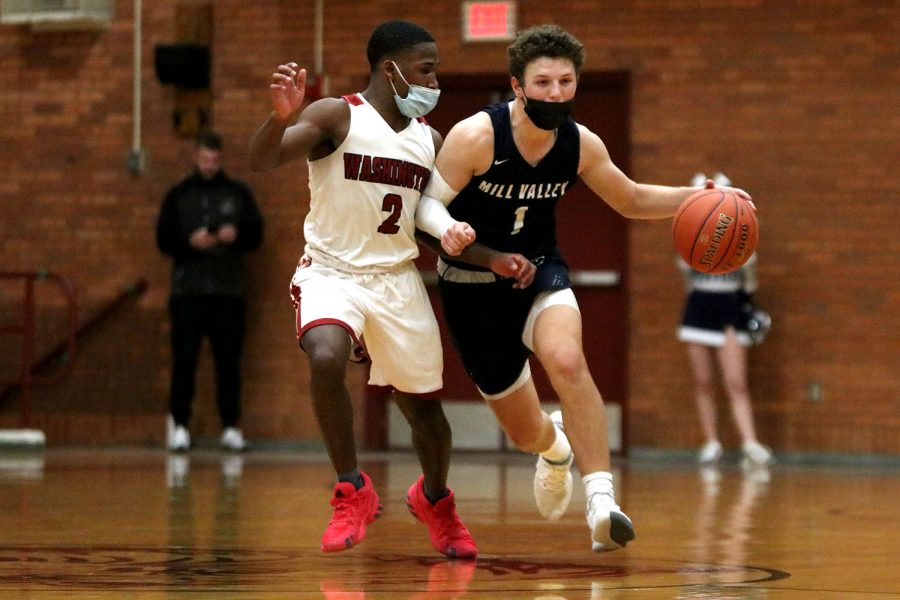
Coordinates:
[560,450]
[598,482]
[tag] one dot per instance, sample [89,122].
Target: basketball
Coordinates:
[715,231]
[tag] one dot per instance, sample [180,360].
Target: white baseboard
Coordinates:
[475,428]
[22,437]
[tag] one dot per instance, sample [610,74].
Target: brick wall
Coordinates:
[796,101]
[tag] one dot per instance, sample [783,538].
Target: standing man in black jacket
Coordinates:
[207,222]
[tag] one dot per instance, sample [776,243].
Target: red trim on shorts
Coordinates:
[353,99]
[388,389]
[359,351]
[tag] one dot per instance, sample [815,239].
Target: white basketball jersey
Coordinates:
[364,194]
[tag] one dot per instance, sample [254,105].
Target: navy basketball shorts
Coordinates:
[486,322]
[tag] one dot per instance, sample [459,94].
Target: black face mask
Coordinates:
[548,115]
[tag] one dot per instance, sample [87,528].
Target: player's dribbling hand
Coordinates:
[514,265]
[710,184]
[456,238]
[288,88]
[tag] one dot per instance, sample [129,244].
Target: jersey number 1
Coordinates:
[393,204]
[520,220]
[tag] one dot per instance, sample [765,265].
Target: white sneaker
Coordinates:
[757,454]
[710,452]
[553,482]
[610,527]
[232,439]
[180,440]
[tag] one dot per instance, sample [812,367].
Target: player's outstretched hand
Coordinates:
[288,88]
[514,265]
[457,237]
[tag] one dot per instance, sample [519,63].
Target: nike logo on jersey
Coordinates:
[500,162]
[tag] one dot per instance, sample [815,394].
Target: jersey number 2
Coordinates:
[393,204]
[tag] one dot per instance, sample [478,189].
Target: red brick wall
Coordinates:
[796,101]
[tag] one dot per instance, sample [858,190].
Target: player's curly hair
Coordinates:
[551,41]
[391,37]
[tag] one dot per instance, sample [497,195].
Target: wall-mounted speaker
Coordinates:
[183,65]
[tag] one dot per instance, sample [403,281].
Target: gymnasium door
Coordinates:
[593,238]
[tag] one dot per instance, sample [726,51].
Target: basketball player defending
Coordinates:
[502,171]
[370,154]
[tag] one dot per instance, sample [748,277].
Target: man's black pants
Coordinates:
[221,320]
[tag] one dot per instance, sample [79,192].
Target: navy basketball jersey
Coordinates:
[511,206]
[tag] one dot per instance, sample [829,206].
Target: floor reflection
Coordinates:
[187,514]
[21,466]
[144,524]
[726,523]
[447,580]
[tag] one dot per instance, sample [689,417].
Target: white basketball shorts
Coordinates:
[389,313]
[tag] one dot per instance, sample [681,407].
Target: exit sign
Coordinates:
[488,21]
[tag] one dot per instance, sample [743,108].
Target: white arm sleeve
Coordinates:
[432,216]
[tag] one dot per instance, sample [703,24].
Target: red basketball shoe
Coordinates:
[447,532]
[353,510]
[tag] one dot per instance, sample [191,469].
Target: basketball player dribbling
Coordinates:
[370,154]
[502,171]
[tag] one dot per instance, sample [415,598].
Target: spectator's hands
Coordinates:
[202,239]
[457,237]
[288,88]
[227,233]
[514,265]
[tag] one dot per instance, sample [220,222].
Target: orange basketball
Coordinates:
[715,231]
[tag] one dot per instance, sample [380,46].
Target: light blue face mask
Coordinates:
[419,101]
